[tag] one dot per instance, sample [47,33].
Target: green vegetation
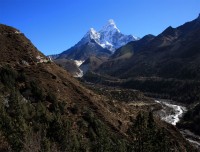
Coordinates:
[148,137]
[8,77]
[100,137]
[184,91]
[167,88]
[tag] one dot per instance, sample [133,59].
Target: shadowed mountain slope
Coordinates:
[175,53]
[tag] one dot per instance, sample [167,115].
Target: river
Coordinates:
[172,113]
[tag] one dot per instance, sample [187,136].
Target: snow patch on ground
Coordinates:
[79,74]
[79,62]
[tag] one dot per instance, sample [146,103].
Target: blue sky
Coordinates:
[55,25]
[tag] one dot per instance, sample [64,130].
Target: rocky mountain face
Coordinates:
[91,64]
[82,52]
[132,47]
[121,57]
[70,66]
[43,108]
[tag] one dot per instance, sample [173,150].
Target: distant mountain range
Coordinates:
[102,43]
[175,53]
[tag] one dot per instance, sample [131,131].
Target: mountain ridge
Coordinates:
[170,44]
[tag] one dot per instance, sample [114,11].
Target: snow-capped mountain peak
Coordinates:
[92,31]
[92,34]
[111,21]
[108,37]
[110,26]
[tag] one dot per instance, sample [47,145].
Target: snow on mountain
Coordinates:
[79,62]
[90,35]
[110,27]
[79,73]
[108,37]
